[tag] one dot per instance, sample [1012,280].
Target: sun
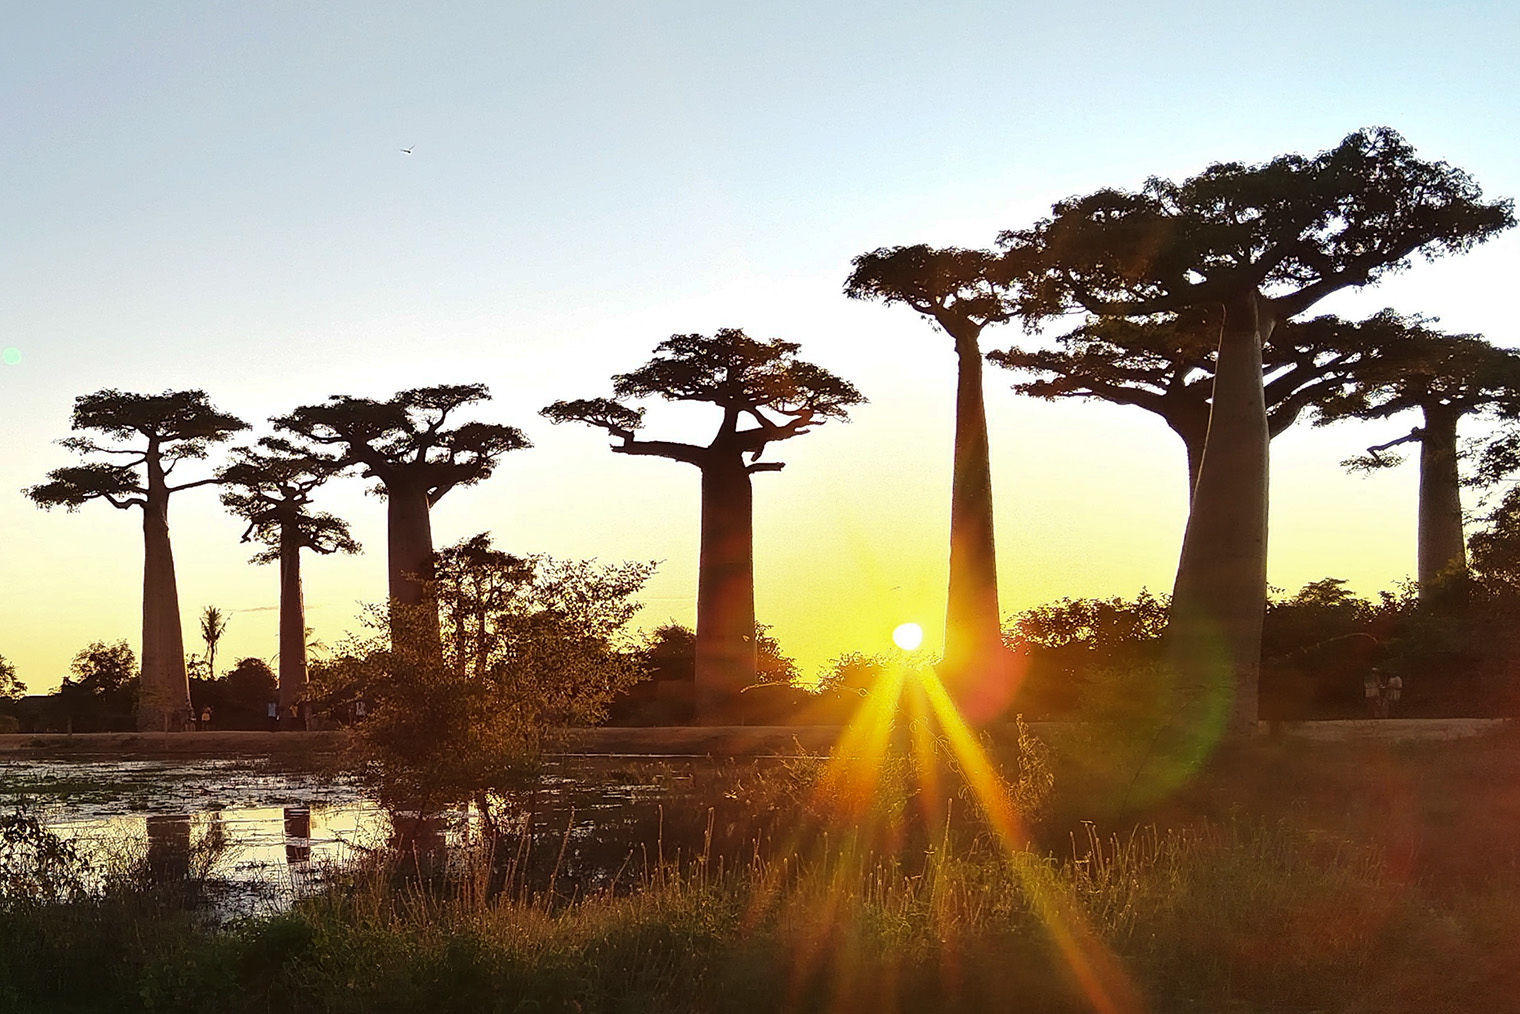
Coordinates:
[908,636]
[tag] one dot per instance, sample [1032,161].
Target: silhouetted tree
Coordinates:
[1260,244]
[174,426]
[1445,378]
[246,692]
[1166,366]
[11,689]
[1496,549]
[101,689]
[963,291]
[271,487]
[1060,645]
[529,646]
[213,626]
[760,382]
[402,442]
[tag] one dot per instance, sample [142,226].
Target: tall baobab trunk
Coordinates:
[1442,554]
[292,623]
[409,542]
[1219,599]
[972,625]
[725,587]
[164,694]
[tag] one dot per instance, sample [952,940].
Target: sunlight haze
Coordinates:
[281,202]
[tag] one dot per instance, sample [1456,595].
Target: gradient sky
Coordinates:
[213,196]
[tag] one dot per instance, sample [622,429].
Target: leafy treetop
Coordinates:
[962,290]
[761,381]
[175,425]
[405,437]
[1293,229]
[271,487]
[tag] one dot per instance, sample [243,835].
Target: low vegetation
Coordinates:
[1333,877]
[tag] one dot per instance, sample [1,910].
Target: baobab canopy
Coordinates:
[1262,243]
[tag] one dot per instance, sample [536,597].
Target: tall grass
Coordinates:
[800,911]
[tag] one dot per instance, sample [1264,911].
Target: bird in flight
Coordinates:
[408,150]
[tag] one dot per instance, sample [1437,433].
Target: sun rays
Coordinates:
[907,718]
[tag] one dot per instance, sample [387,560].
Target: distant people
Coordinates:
[360,710]
[274,716]
[205,722]
[1392,691]
[1372,687]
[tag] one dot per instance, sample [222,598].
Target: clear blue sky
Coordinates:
[213,195]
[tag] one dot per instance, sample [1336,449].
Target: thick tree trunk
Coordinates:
[292,625]
[409,537]
[725,589]
[1219,599]
[1442,553]
[164,696]
[973,643]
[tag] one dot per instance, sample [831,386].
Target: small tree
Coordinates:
[271,487]
[11,688]
[759,382]
[529,646]
[963,291]
[101,689]
[213,626]
[246,692]
[1496,548]
[405,445]
[175,426]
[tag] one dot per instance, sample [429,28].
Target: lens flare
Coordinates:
[908,636]
[914,693]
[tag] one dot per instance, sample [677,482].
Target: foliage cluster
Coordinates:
[1060,645]
[100,690]
[467,689]
[239,698]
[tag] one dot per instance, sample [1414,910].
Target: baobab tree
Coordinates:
[766,395]
[172,427]
[403,443]
[964,292]
[271,487]
[1446,378]
[1260,244]
[1166,366]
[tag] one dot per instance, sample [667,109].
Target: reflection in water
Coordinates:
[420,837]
[297,836]
[168,848]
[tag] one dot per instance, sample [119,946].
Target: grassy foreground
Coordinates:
[1301,877]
